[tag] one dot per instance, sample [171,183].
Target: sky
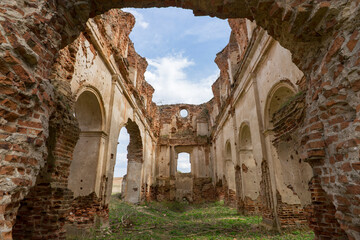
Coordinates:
[180,50]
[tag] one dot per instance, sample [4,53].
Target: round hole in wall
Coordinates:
[184,113]
[80,188]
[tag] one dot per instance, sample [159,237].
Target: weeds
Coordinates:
[171,220]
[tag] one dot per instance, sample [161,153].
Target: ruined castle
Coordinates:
[280,138]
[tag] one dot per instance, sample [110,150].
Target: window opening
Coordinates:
[184,113]
[121,163]
[183,163]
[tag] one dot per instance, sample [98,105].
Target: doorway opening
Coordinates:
[120,169]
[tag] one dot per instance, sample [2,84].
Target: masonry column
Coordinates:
[107,167]
[238,169]
[267,165]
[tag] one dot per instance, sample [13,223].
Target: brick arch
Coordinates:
[322,36]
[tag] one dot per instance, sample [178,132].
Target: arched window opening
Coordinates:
[121,163]
[184,163]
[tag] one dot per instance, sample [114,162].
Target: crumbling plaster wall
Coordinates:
[92,72]
[183,134]
[261,66]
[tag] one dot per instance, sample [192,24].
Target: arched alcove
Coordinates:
[88,112]
[88,153]
[291,172]
[229,166]
[249,170]
[278,96]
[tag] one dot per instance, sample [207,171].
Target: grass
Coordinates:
[171,220]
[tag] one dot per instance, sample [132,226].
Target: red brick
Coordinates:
[353,41]
[30,124]
[356,166]
[8,129]
[353,189]
[336,120]
[316,153]
[21,182]
[12,158]
[6,236]
[9,104]
[2,39]
[331,139]
[318,144]
[355,86]
[335,47]
[6,170]
[314,136]
[7,90]
[317,126]
[343,179]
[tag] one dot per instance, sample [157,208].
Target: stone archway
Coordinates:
[322,36]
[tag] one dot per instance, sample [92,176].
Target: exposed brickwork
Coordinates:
[290,215]
[321,214]
[203,190]
[322,35]
[289,118]
[85,210]
[43,212]
[230,198]
[252,207]
[265,196]
[164,189]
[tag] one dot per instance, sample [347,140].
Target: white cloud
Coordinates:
[183,164]
[139,18]
[167,75]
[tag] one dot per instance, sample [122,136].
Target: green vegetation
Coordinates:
[170,220]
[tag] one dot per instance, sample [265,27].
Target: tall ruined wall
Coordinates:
[93,73]
[242,130]
[184,134]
